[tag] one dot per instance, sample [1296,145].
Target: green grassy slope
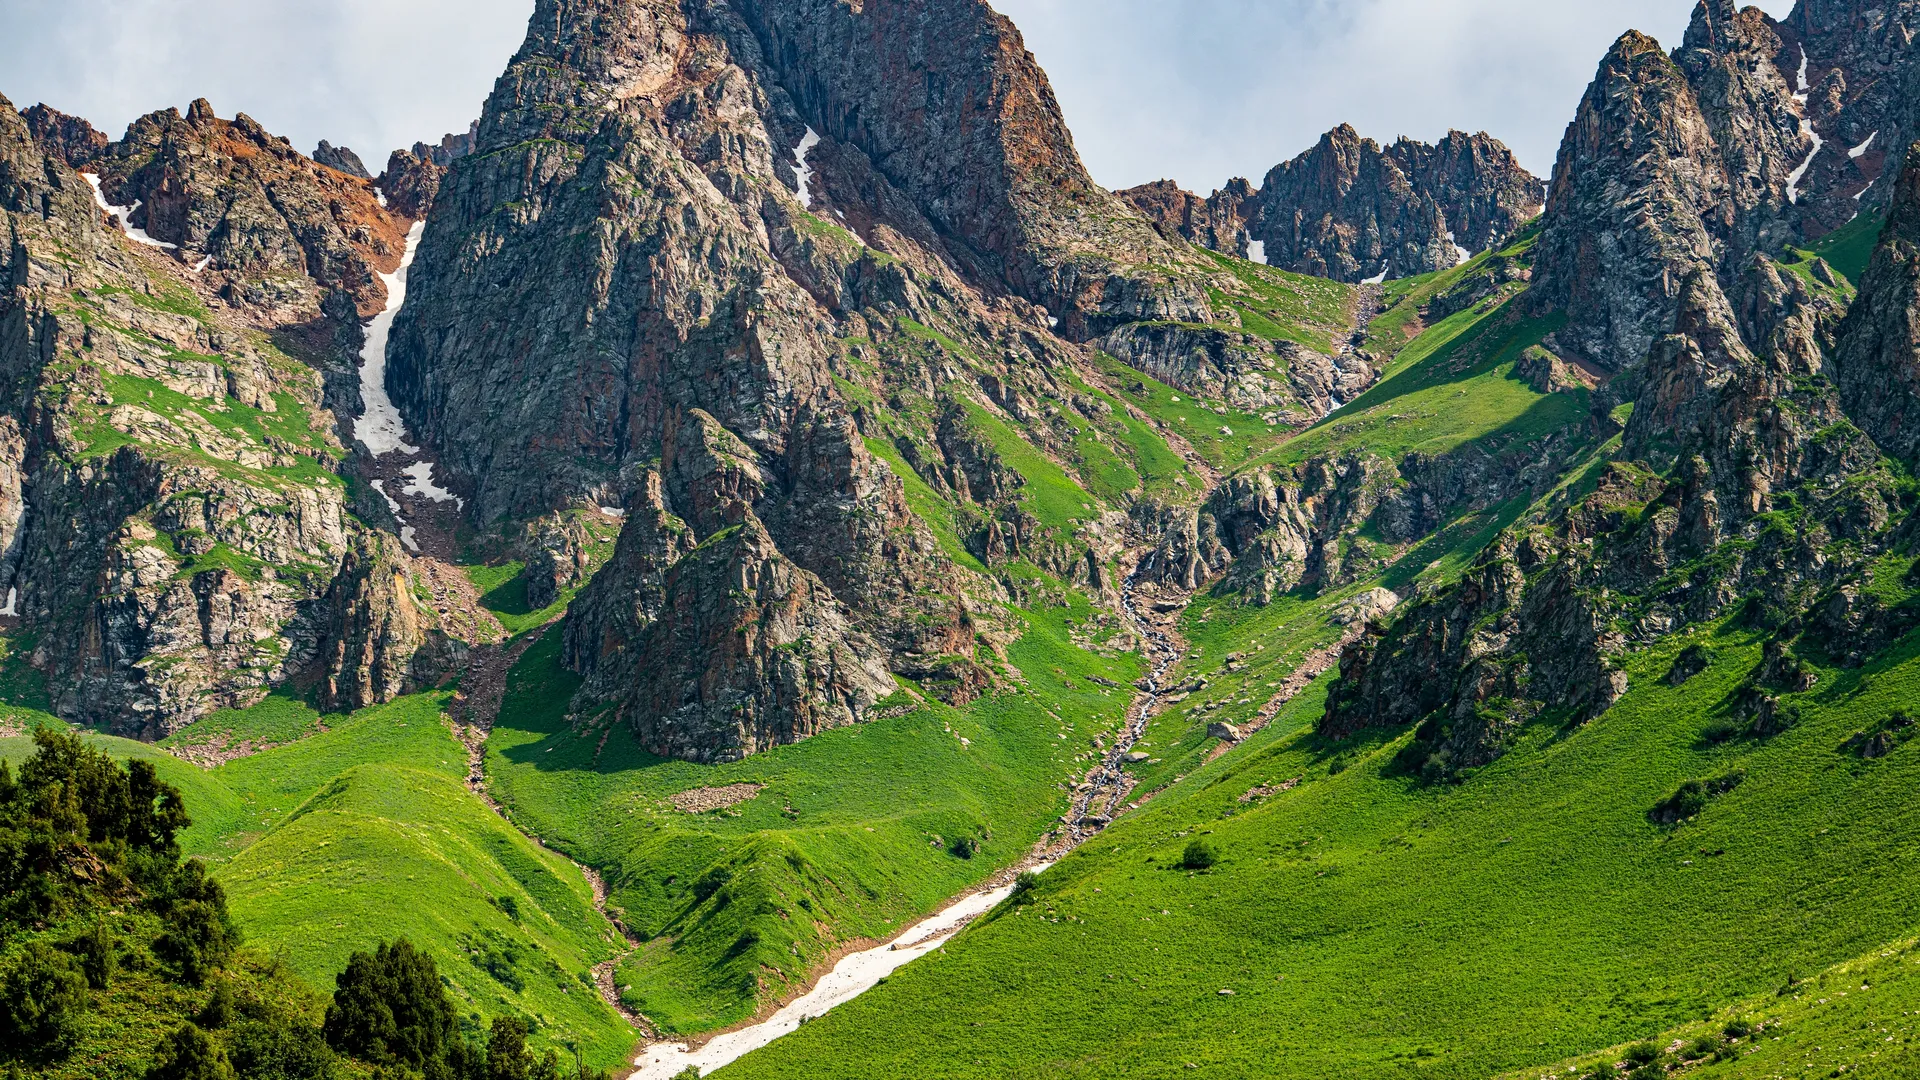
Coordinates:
[367,832]
[1372,926]
[855,834]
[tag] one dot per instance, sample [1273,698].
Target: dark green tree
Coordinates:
[94,949]
[509,1058]
[42,997]
[389,1009]
[190,1054]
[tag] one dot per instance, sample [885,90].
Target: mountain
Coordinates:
[1351,211]
[793,495]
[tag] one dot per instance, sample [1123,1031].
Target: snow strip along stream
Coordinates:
[853,976]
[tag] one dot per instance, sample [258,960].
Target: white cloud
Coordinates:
[371,74]
[1199,90]
[1204,90]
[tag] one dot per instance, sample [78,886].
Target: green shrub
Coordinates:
[190,1054]
[1701,1047]
[1737,1029]
[93,948]
[42,997]
[1024,885]
[281,1051]
[1642,1054]
[220,1008]
[389,1008]
[1199,855]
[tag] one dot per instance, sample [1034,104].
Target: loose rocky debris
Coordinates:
[1265,790]
[702,800]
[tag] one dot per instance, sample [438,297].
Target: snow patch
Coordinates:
[1805,90]
[1799,174]
[12,610]
[850,978]
[1257,252]
[613,511]
[201,266]
[1463,253]
[381,487]
[801,170]
[380,197]
[1377,279]
[1860,151]
[380,426]
[420,482]
[1863,192]
[124,215]
[407,534]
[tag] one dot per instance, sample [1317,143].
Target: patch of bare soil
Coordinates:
[701,800]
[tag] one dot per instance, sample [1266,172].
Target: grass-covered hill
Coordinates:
[365,832]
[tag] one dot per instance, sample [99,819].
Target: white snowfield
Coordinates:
[1860,151]
[124,215]
[802,171]
[380,426]
[420,482]
[852,977]
[1799,174]
[1257,252]
[1377,279]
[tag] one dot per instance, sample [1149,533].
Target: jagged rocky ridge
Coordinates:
[176,536]
[1350,210]
[1762,470]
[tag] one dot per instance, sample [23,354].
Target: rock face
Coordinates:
[1877,365]
[746,652]
[171,530]
[1351,210]
[413,177]
[279,231]
[1218,222]
[1859,89]
[1755,468]
[946,106]
[341,159]
[68,138]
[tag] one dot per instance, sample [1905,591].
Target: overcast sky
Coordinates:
[1196,90]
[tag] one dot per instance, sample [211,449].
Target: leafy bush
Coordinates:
[1692,798]
[1199,855]
[281,1051]
[42,997]
[93,948]
[389,1008]
[1643,1054]
[190,1054]
[1024,885]
[1700,1047]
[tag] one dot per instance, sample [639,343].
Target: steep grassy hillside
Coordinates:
[850,835]
[1369,925]
[366,832]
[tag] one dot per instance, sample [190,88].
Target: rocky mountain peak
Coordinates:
[340,159]
[69,138]
[1351,210]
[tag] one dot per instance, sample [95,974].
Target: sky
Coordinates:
[1194,90]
